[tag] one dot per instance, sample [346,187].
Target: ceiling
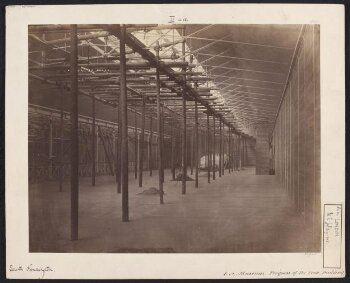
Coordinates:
[247,66]
[248,63]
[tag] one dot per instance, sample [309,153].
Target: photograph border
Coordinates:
[347,82]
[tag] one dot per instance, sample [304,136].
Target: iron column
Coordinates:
[220,149]
[196,142]
[150,147]
[184,149]
[214,175]
[124,128]
[93,142]
[74,135]
[135,145]
[208,147]
[61,141]
[141,155]
[159,128]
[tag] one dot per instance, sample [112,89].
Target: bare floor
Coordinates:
[239,212]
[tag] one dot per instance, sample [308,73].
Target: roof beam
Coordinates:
[239,42]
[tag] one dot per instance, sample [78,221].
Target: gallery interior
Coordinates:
[192,138]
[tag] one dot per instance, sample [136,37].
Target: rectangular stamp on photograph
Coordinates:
[332,235]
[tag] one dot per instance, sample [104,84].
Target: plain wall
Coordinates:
[296,137]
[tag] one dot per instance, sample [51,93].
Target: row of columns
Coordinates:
[235,147]
[121,156]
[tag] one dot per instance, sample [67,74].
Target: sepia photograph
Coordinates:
[174,142]
[174,138]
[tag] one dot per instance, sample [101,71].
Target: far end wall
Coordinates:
[251,155]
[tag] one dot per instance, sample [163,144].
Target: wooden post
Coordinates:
[141,152]
[124,128]
[196,156]
[160,159]
[74,135]
[93,142]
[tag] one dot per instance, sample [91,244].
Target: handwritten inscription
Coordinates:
[40,271]
[174,19]
[285,274]
[332,235]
